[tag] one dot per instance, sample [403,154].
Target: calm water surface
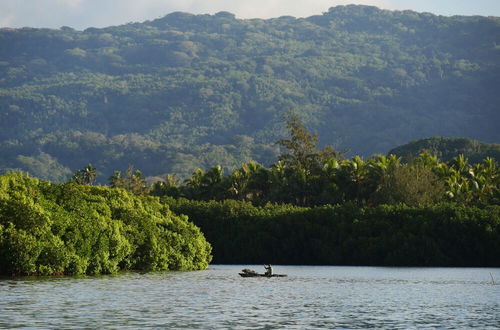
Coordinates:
[310,297]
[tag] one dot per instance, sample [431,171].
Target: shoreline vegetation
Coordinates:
[443,235]
[311,207]
[49,229]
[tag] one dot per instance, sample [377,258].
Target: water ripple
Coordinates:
[311,297]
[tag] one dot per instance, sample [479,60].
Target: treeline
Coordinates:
[80,229]
[397,235]
[190,91]
[306,176]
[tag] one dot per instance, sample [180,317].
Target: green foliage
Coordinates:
[80,229]
[411,184]
[477,184]
[132,181]
[44,166]
[191,91]
[448,148]
[440,235]
[86,175]
[378,180]
[302,145]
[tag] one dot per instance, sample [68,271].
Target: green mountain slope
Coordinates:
[188,91]
[447,148]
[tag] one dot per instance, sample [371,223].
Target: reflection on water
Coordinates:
[310,297]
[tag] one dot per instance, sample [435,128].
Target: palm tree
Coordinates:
[351,179]
[132,181]
[85,176]
[246,182]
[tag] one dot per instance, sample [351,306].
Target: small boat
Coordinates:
[252,273]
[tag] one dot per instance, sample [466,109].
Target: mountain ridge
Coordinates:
[187,91]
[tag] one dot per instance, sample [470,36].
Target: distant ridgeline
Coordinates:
[447,148]
[192,91]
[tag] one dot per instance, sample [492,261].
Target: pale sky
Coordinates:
[81,14]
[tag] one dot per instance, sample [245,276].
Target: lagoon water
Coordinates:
[310,297]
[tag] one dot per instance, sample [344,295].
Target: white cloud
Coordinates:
[6,20]
[70,3]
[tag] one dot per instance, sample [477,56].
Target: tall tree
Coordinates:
[86,175]
[302,148]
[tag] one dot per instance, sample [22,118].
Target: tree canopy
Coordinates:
[80,229]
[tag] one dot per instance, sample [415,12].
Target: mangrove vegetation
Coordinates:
[74,229]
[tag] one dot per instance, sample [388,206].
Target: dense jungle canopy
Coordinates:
[192,91]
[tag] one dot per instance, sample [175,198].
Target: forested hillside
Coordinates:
[448,148]
[188,91]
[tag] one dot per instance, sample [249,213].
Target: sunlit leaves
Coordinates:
[80,229]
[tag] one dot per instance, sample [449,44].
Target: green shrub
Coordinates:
[77,229]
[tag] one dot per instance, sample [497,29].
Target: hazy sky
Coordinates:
[81,14]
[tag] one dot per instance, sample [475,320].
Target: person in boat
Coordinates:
[269,270]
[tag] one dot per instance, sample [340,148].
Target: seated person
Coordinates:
[269,270]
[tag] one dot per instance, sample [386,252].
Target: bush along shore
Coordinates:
[81,229]
[386,235]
